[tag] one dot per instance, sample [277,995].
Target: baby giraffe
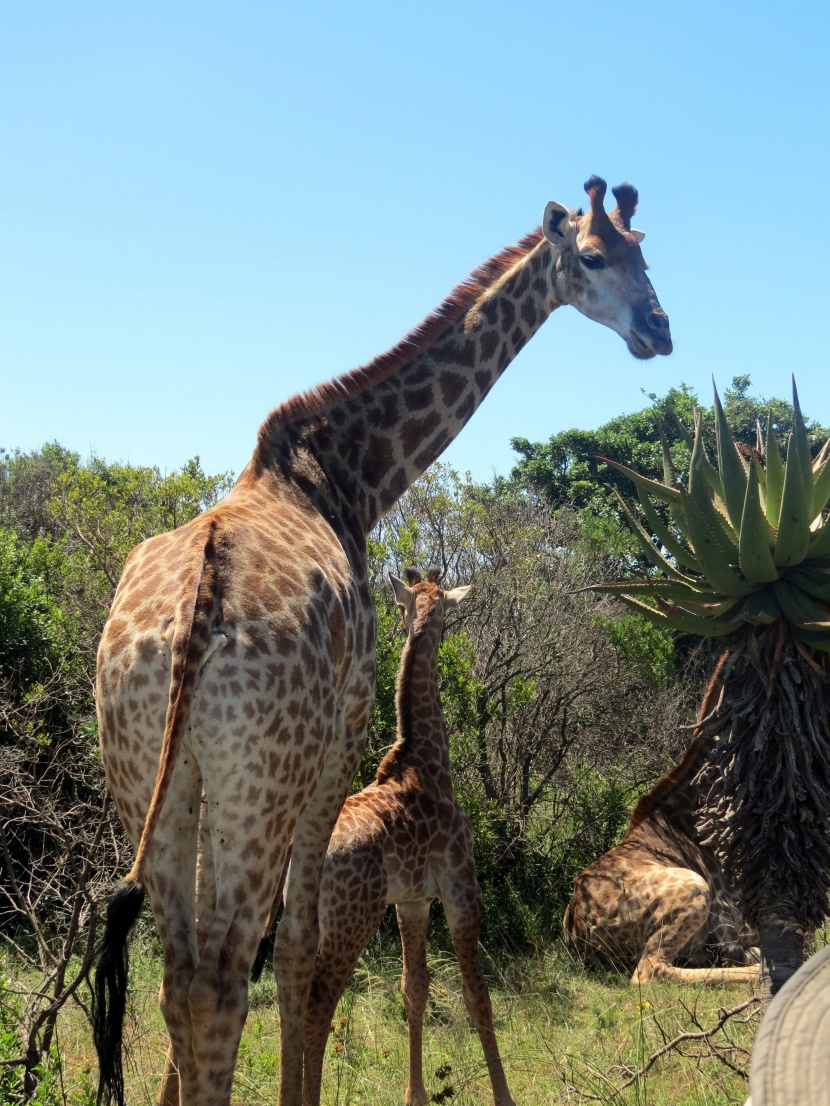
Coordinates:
[404,840]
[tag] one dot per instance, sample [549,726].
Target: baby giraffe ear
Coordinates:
[403,596]
[454,597]
[556,222]
[637,235]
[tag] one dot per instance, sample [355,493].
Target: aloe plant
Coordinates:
[741,551]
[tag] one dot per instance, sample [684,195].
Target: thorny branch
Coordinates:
[702,1037]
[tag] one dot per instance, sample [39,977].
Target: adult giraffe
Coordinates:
[238,660]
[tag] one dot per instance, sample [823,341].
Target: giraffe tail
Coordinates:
[109,990]
[191,635]
[267,940]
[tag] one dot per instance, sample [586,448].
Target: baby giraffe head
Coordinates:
[423,600]
[601,271]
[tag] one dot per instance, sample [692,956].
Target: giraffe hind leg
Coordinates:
[412,923]
[346,929]
[462,905]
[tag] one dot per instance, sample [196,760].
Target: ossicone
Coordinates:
[626,196]
[596,187]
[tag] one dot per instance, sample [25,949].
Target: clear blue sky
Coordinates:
[206,207]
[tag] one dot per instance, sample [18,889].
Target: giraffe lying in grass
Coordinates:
[659,895]
[404,840]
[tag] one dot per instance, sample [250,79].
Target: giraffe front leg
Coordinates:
[681,909]
[462,906]
[412,922]
[347,924]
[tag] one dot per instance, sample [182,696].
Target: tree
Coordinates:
[746,558]
[571,469]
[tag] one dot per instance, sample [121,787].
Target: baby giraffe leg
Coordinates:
[462,906]
[412,922]
[345,931]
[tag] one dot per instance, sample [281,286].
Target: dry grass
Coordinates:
[566,1035]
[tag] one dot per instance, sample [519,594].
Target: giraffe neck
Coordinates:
[369,434]
[422,735]
[674,797]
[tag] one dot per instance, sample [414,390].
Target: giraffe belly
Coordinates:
[409,882]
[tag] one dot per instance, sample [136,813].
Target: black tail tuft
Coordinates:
[109,990]
[262,954]
[266,945]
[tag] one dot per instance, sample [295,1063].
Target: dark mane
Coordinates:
[683,798]
[319,399]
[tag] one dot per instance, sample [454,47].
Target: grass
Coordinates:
[566,1036]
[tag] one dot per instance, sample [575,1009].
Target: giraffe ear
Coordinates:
[556,222]
[403,596]
[454,597]
[637,235]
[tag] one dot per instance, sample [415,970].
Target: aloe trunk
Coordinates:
[767,791]
[782,953]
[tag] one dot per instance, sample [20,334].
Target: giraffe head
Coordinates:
[424,598]
[600,268]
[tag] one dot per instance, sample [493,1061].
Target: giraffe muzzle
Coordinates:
[653,337]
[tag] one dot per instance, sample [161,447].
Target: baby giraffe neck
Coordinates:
[422,736]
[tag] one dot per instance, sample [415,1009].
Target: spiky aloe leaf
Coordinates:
[822,456]
[799,436]
[798,607]
[775,476]
[701,491]
[815,635]
[681,552]
[820,543]
[669,475]
[708,547]
[647,545]
[702,602]
[813,581]
[756,539]
[676,619]
[821,488]
[793,539]
[670,589]
[654,487]
[731,467]
[760,608]
[701,467]
[707,468]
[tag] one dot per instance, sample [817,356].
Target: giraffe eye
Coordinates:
[592,261]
